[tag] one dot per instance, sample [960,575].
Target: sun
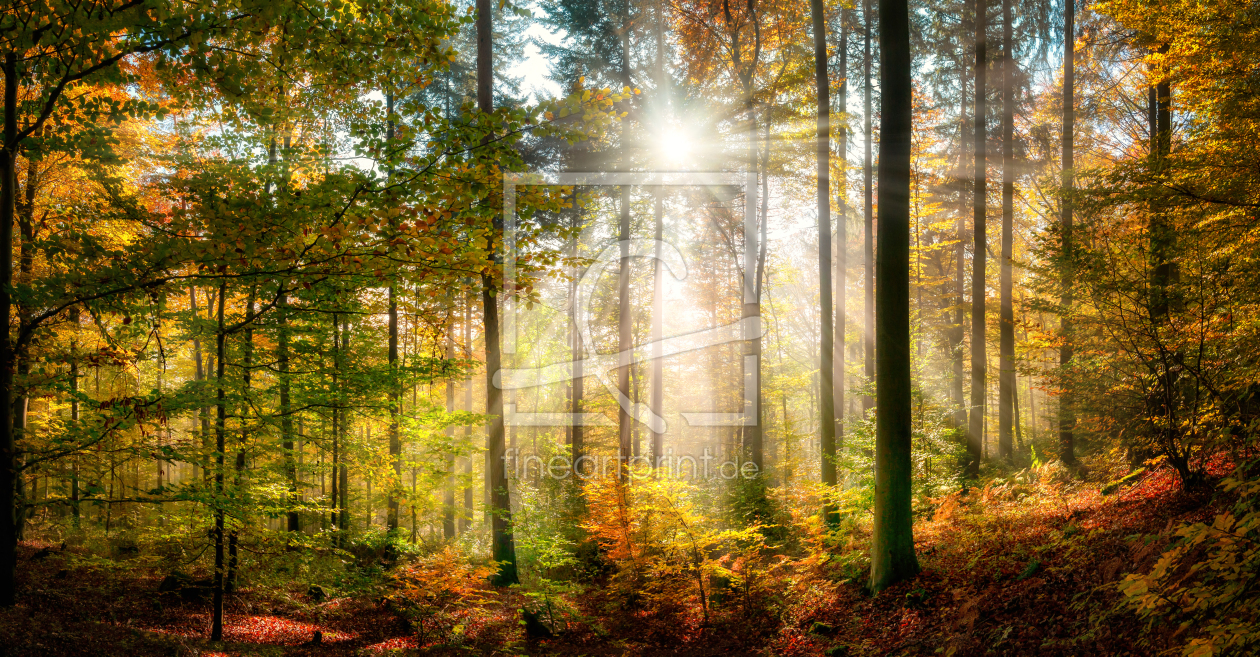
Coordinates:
[674,147]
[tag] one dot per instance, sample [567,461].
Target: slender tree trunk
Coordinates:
[465,520]
[294,521]
[868,311]
[658,294]
[414,535]
[958,331]
[395,441]
[199,374]
[21,401]
[395,408]
[343,484]
[975,427]
[8,438]
[1161,236]
[625,340]
[504,547]
[448,497]
[207,435]
[840,254]
[826,335]
[220,442]
[1164,273]
[892,538]
[754,262]
[658,322]
[247,364]
[337,418]
[1067,441]
[578,354]
[74,411]
[1006,336]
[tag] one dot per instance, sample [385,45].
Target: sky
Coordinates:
[533,68]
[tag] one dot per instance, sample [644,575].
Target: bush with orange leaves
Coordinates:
[1204,583]
[666,554]
[438,592]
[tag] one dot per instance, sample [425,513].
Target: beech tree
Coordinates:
[892,538]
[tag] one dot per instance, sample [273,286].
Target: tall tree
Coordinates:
[658,225]
[395,402]
[503,548]
[868,247]
[892,538]
[1067,442]
[625,339]
[958,333]
[840,254]
[220,446]
[1006,335]
[577,353]
[342,500]
[448,498]
[51,53]
[465,520]
[826,393]
[975,425]
[294,520]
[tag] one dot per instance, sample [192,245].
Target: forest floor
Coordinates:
[1013,569]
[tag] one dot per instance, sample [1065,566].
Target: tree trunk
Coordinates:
[203,413]
[754,262]
[8,446]
[448,497]
[625,340]
[21,399]
[868,311]
[658,298]
[466,520]
[337,413]
[840,253]
[294,521]
[74,411]
[220,442]
[975,426]
[892,539]
[247,363]
[958,332]
[826,336]
[504,548]
[395,409]
[1161,237]
[1006,335]
[658,322]
[1067,441]
[343,483]
[578,353]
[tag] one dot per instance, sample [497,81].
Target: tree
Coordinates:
[840,255]
[826,393]
[1067,443]
[56,51]
[892,538]
[503,548]
[868,234]
[1006,337]
[975,425]
[395,405]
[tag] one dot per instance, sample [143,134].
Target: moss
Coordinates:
[1116,485]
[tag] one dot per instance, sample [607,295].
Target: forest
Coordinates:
[630,327]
